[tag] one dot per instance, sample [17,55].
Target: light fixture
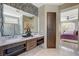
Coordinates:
[67,17]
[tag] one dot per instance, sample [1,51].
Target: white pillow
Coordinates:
[69,32]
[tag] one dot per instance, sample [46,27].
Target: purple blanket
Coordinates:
[69,36]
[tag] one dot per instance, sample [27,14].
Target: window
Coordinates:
[69,26]
[11,26]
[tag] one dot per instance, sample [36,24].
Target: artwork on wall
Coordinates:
[27,23]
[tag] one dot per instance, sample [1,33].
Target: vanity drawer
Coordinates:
[31,44]
[1,51]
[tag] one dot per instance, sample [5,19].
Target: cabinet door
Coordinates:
[31,44]
[1,51]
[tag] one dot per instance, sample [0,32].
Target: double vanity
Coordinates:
[15,46]
[17,25]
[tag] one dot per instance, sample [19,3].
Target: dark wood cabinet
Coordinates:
[1,51]
[12,49]
[19,47]
[51,29]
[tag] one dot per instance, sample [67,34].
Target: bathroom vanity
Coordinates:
[15,46]
[17,22]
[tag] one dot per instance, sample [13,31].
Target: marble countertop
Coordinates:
[5,41]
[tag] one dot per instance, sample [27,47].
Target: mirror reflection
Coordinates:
[15,21]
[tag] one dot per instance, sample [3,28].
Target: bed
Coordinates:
[72,35]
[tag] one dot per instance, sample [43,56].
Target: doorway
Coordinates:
[69,30]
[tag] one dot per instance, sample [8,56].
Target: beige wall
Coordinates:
[41,16]
[35,29]
[43,22]
[50,8]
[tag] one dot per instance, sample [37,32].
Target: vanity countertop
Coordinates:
[15,40]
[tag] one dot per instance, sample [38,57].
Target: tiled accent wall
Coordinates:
[1,9]
[27,7]
[1,18]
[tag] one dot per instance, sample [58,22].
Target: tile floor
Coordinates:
[70,45]
[40,51]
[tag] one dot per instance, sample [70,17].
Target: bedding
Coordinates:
[70,35]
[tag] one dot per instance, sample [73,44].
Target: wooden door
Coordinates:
[51,30]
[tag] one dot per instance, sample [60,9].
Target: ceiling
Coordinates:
[41,4]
